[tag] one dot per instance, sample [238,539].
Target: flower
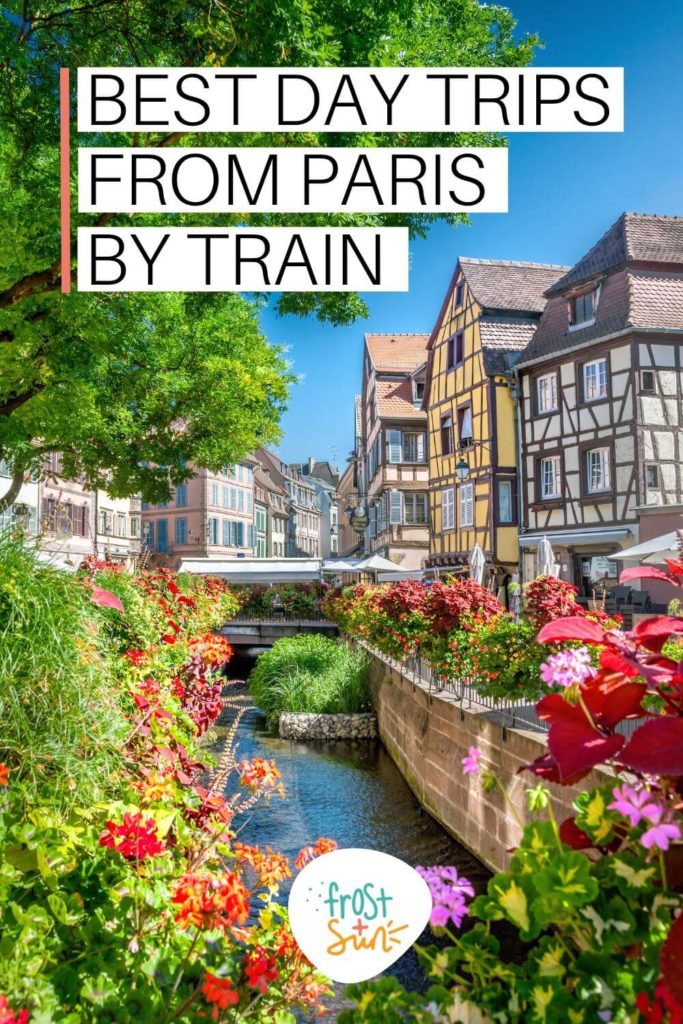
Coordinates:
[270,867]
[4,775]
[10,1016]
[258,773]
[470,764]
[448,890]
[138,837]
[633,804]
[661,833]
[219,991]
[309,853]
[210,901]
[567,668]
[260,968]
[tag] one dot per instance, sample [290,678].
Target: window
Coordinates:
[120,524]
[550,477]
[135,526]
[181,530]
[597,470]
[652,478]
[414,508]
[446,435]
[239,535]
[465,432]
[506,512]
[181,495]
[582,307]
[240,501]
[448,509]
[226,496]
[106,523]
[233,498]
[214,494]
[459,293]
[413,447]
[467,504]
[213,530]
[148,533]
[594,380]
[546,393]
[455,350]
[648,382]
[418,392]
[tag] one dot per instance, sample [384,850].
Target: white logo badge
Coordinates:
[354,912]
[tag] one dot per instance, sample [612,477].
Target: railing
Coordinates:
[514,713]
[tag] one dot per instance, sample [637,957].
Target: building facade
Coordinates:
[209,516]
[271,517]
[487,319]
[601,393]
[393,449]
[302,537]
[325,480]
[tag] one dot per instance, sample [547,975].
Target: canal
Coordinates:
[352,793]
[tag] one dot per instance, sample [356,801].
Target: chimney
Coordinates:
[311,463]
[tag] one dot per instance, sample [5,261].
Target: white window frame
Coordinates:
[466,505]
[542,393]
[576,325]
[556,474]
[465,440]
[410,499]
[604,464]
[419,445]
[448,508]
[600,366]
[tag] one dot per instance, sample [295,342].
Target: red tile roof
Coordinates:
[397,351]
[395,400]
[502,339]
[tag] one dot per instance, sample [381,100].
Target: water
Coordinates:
[354,794]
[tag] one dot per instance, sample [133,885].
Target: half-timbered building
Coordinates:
[394,447]
[600,400]
[487,318]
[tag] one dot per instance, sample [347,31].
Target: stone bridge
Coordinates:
[260,633]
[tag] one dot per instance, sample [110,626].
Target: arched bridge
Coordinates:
[259,633]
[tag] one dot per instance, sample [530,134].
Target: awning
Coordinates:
[666,546]
[255,570]
[561,538]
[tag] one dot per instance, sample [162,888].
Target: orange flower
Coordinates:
[219,991]
[258,773]
[211,901]
[309,853]
[270,867]
[4,775]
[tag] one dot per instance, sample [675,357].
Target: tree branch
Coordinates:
[11,495]
[15,403]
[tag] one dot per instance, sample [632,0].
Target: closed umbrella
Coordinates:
[545,559]
[477,562]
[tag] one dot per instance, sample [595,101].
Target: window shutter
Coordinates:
[466,504]
[448,509]
[395,442]
[420,447]
[240,535]
[395,508]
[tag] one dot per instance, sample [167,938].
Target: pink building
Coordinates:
[210,516]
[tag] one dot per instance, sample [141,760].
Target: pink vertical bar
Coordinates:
[65,170]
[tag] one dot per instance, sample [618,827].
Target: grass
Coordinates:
[310,673]
[60,722]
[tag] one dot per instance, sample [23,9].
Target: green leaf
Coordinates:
[567,878]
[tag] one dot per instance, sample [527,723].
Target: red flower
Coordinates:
[219,991]
[260,968]
[211,901]
[4,775]
[136,838]
[135,657]
[10,1016]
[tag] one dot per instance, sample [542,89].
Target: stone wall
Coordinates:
[303,726]
[427,735]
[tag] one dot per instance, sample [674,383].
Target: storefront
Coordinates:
[581,557]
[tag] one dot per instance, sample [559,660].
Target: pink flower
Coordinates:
[470,764]
[661,833]
[449,892]
[633,804]
[567,667]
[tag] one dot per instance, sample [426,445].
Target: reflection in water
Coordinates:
[352,793]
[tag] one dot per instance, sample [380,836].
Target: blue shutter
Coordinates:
[162,535]
[226,533]
[395,444]
[395,508]
[181,531]
[240,535]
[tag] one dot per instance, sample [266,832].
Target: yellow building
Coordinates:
[487,319]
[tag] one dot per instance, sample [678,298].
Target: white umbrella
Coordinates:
[335,567]
[545,559]
[376,563]
[477,562]
[656,550]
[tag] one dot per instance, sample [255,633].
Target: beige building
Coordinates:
[393,450]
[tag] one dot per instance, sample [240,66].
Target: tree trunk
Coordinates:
[10,496]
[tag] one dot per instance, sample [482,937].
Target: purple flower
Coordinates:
[661,833]
[633,804]
[567,667]
[470,764]
[449,891]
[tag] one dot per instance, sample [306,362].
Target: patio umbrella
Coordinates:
[651,551]
[545,559]
[477,562]
[337,567]
[375,564]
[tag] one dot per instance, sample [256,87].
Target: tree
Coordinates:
[124,384]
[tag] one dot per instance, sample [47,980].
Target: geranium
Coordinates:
[309,853]
[210,901]
[220,992]
[260,968]
[10,1016]
[135,838]
[634,804]
[449,891]
[570,667]
[662,832]
[4,775]
[270,867]
[470,763]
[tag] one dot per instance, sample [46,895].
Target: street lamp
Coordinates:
[462,468]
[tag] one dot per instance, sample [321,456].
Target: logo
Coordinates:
[354,912]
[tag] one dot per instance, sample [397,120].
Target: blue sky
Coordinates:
[565,191]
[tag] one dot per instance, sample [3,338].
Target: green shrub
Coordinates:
[310,673]
[61,720]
